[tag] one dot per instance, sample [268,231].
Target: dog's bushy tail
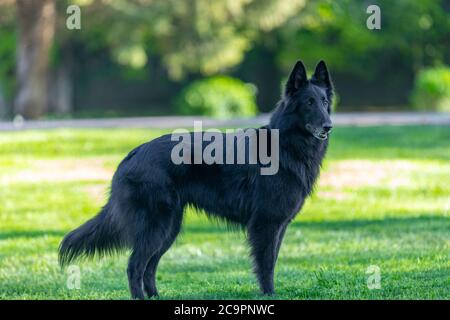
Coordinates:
[96,237]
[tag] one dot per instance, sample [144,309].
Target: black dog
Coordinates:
[149,192]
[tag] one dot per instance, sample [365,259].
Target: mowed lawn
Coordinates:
[383,200]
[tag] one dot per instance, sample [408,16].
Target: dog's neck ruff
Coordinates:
[300,152]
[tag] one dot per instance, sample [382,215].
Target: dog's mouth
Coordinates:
[318,133]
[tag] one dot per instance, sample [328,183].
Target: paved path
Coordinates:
[340,119]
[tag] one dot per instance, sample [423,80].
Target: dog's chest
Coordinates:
[281,195]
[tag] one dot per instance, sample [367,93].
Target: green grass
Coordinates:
[383,199]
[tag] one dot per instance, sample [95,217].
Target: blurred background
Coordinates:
[382,201]
[217,58]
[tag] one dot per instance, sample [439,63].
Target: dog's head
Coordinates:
[307,103]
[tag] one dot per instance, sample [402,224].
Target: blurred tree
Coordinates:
[134,43]
[199,36]
[7,56]
[413,34]
[36,25]
[418,31]
[61,88]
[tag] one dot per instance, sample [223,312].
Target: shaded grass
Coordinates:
[399,223]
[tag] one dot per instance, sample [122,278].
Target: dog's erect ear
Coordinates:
[321,77]
[296,79]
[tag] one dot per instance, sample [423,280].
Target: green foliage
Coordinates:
[54,180]
[205,38]
[219,97]
[413,34]
[8,35]
[432,89]
[199,36]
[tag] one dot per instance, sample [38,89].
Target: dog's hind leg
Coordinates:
[145,246]
[264,238]
[150,270]
[150,232]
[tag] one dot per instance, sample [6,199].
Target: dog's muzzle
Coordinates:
[320,133]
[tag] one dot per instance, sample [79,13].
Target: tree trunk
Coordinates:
[61,89]
[36,20]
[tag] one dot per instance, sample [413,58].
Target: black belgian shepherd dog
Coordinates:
[149,192]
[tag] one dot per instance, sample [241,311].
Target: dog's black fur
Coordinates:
[149,192]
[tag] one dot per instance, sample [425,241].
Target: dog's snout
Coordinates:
[327,127]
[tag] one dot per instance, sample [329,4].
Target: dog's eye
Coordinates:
[325,103]
[310,101]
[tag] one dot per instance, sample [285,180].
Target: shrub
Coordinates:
[219,97]
[432,89]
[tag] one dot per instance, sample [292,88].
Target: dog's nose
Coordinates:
[327,127]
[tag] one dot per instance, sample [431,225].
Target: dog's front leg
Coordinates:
[265,238]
